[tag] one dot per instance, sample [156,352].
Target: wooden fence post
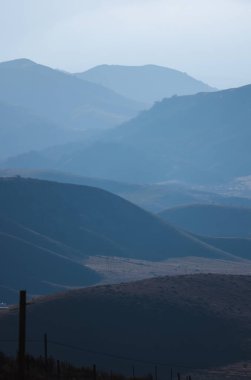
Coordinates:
[22,335]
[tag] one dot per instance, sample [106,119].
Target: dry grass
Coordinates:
[117,269]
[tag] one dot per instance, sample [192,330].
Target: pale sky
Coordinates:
[208,39]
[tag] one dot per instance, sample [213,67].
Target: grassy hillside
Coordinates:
[196,321]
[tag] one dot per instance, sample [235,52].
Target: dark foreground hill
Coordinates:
[148,83]
[61,97]
[195,321]
[211,220]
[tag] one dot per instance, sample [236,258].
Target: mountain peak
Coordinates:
[146,83]
[20,62]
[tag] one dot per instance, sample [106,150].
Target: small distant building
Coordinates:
[3,305]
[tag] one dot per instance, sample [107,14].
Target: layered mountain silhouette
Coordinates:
[196,139]
[211,220]
[197,321]
[154,198]
[149,83]
[62,98]
[64,177]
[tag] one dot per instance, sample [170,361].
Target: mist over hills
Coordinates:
[211,220]
[62,98]
[22,131]
[154,198]
[198,321]
[195,139]
[64,177]
[148,83]
[192,138]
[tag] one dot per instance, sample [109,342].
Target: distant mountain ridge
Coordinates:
[61,97]
[148,83]
[194,139]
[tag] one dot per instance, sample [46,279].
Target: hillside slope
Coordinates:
[149,83]
[195,321]
[240,247]
[211,220]
[32,261]
[95,222]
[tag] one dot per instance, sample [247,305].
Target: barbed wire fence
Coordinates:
[25,367]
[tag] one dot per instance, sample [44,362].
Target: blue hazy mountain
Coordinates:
[147,83]
[61,97]
[194,139]
[203,138]
[22,131]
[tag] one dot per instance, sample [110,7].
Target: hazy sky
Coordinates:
[209,39]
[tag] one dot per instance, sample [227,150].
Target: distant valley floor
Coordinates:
[117,269]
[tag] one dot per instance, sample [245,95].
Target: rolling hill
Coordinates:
[62,98]
[148,84]
[211,220]
[184,322]
[95,222]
